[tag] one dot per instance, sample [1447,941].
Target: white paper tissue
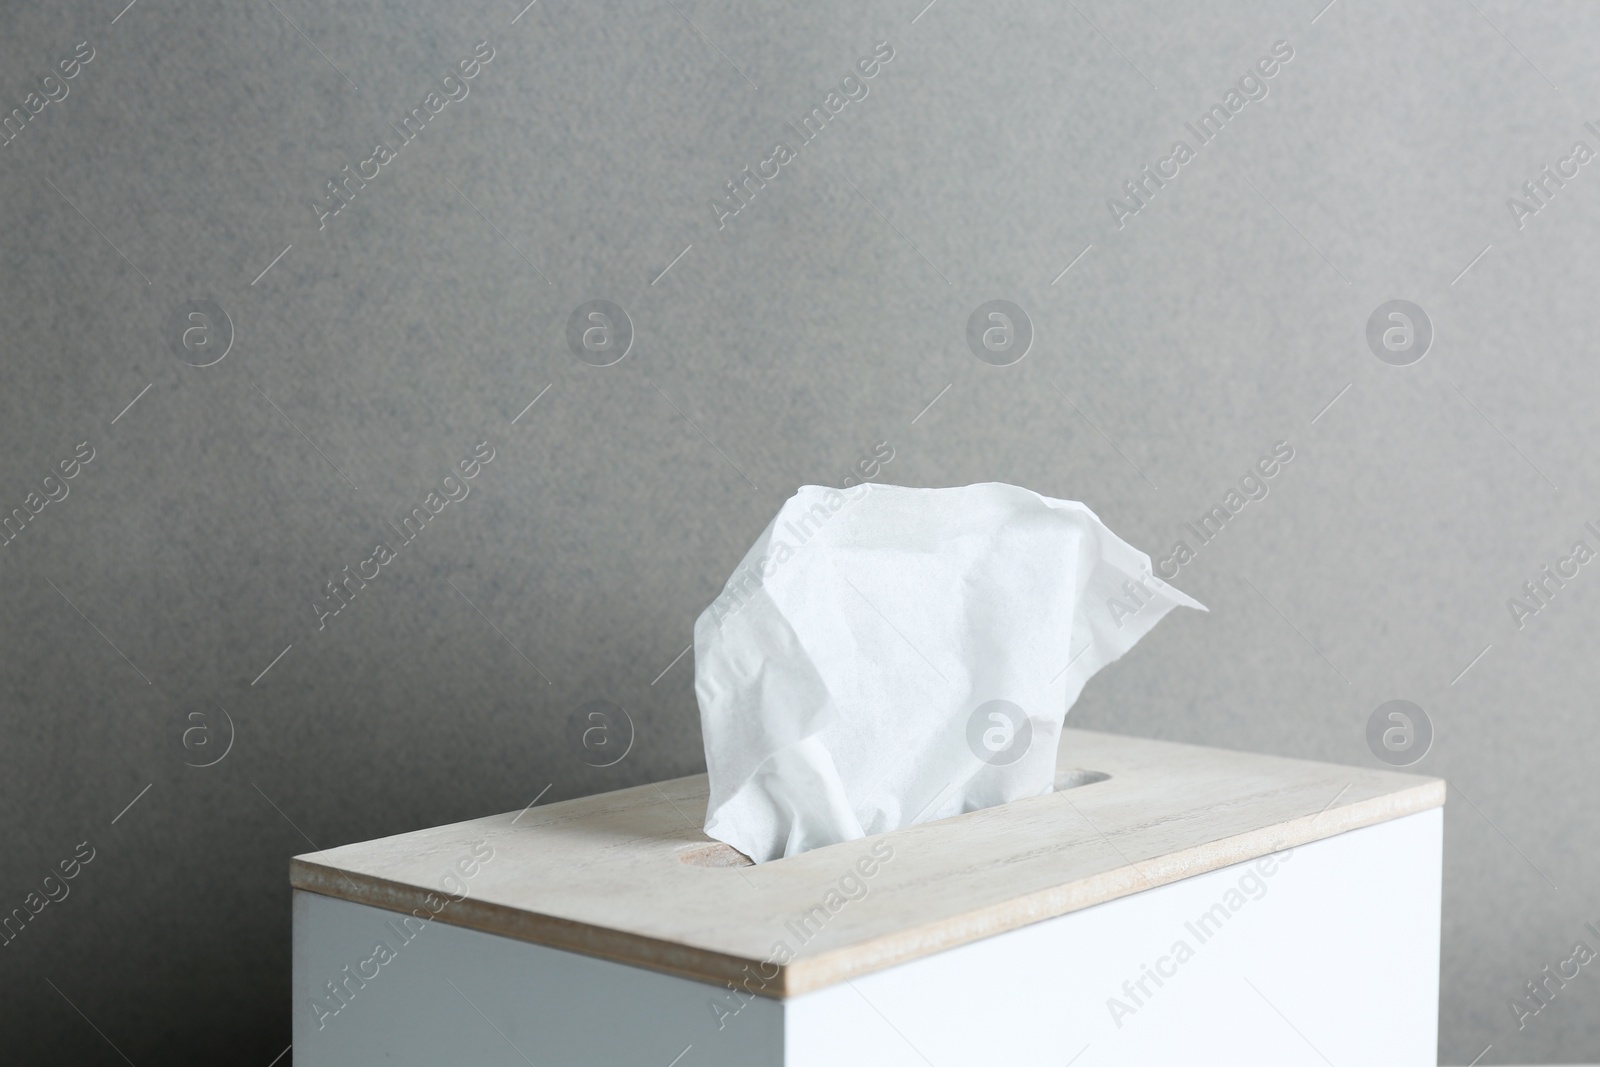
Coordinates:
[884,656]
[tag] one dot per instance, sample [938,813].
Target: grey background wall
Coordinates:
[165,604]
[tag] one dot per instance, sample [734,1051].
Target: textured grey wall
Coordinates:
[781,347]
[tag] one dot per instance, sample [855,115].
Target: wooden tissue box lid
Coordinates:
[630,876]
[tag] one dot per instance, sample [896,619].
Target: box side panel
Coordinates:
[1328,952]
[435,994]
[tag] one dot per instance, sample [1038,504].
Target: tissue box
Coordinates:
[1168,904]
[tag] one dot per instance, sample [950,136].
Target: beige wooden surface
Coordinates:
[607,875]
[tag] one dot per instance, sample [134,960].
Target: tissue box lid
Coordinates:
[630,876]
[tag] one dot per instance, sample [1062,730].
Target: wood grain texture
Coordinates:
[604,875]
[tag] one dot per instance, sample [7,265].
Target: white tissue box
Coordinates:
[1168,904]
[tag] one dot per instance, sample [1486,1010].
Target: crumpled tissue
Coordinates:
[884,656]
